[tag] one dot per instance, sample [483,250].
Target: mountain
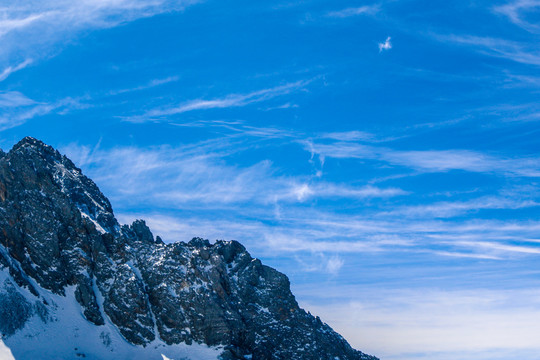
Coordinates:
[74,283]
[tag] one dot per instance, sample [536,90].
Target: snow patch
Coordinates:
[5,352]
[98,227]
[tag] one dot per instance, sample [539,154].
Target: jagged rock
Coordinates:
[58,231]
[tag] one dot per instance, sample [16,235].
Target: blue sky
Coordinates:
[384,155]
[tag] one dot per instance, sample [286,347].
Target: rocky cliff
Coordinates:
[65,260]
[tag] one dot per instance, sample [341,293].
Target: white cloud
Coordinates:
[8,24]
[332,190]
[353,11]
[149,85]
[229,101]
[9,99]
[18,108]
[33,28]
[304,231]
[349,136]
[334,264]
[514,11]
[197,180]
[344,191]
[454,208]
[198,174]
[386,45]
[429,160]
[11,69]
[511,50]
[302,191]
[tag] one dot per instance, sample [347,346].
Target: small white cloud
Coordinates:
[302,192]
[334,264]
[387,45]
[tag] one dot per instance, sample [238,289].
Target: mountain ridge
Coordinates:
[60,242]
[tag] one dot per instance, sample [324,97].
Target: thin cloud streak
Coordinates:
[11,69]
[354,11]
[429,160]
[152,84]
[10,24]
[10,99]
[18,108]
[349,136]
[229,101]
[506,49]
[451,209]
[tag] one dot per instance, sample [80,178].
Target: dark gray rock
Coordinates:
[58,230]
[15,310]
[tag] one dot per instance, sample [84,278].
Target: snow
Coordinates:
[5,353]
[98,227]
[67,335]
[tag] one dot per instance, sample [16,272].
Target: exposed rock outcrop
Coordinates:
[58,231]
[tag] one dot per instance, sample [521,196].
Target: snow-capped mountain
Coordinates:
[74,283]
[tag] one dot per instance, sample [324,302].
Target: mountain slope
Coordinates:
[68,269]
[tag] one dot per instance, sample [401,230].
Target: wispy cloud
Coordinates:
[386,45]
[88,13]
[152,84]
[319,262]
[354,11]
[9,99]
[354,135]
[286,211]
[31,28]
[18,108]
[451,209]
[325,190]
[308,231]
[430,160]
[9,23]
[229,101]
[515,10]
[11,69]
[198,174]
[501,48]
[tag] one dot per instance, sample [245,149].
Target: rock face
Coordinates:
[58,232]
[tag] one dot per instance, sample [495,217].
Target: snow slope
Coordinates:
[65,325]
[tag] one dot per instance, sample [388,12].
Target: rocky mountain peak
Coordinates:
[29,141]
[62,248]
